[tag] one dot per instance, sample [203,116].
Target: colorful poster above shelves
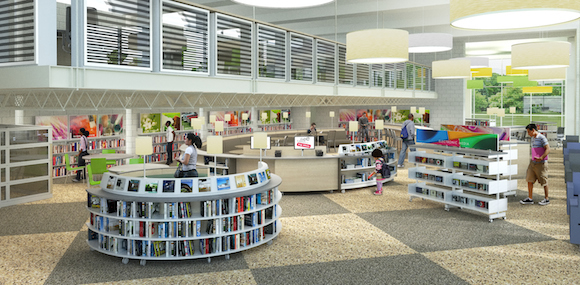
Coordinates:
[275,116]
[384,115]
[367,112]
[345,115]
[173,118]
[234,118]
[458,139]
[219,115]
[88,122]
[402,115]
[59,125]
[503,133]
[265,116]
[248,120]
[285,120]
[186,120]
[151,123]
[110,125]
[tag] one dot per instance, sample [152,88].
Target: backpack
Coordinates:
[384,171]
[404,133]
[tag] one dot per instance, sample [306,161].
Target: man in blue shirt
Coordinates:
[538,167]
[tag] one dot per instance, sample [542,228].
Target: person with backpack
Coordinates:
[408,137]
[382,170]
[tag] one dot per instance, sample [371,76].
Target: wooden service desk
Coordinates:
[299,173]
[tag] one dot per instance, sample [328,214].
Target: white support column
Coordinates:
[156,36]
[78,12]
[131,127]
[19,117]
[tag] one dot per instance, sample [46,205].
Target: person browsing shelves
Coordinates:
[538,167]
[409,140]
[189,157]
[83,150]
[363,122]
[170,136]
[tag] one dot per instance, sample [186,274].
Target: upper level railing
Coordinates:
[171,37]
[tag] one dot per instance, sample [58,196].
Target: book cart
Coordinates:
[357,163]
[465,178]
[183,218]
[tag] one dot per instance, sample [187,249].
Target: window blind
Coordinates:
[118,32]
[325,52]
[16,31]
[271,52]
[185,37]
[301,57]
[345,70]
[362,75]
[377,75]
[234,46]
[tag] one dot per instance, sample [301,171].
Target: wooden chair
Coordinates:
[69,168]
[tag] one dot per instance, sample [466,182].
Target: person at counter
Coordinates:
[409,140]
[189,157]
[312,132]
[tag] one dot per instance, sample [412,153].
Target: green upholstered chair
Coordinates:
[69,168]
[110,162]
[90,174]
[136,161]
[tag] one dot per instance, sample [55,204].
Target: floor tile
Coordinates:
[215,278]
[402,269]
[547,262]
[324,238]
[30,259]
[80,265]
[427,230]
[308,204]
[43,218]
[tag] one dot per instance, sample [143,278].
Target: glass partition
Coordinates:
[271,52]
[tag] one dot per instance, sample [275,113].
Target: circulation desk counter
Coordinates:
[146,218]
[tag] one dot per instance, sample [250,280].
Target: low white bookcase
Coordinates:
[183,218]
[356,164]
[466,178]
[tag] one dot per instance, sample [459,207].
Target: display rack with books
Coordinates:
[466,178]
[222,165]
[275,127]
[356,164]
[160,145]
[229,131]
[172,219]
[479,122]
[71,147]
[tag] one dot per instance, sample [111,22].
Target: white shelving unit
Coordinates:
[357,159]
[155,219]
[71,146]
[471,179]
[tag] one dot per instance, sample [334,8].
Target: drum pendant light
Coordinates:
[547,74]
[430,42]
[541,55]
[377,46]
[513,14]
[451,69]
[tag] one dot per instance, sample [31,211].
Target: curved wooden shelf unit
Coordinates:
[174,225]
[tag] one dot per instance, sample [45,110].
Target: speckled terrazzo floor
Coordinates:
[327,238]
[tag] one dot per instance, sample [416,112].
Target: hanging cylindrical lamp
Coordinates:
[541,55]
[430,42]
[475,61]
[377,46]
[547,74]
[451,69]
[513,14]
[283,3]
